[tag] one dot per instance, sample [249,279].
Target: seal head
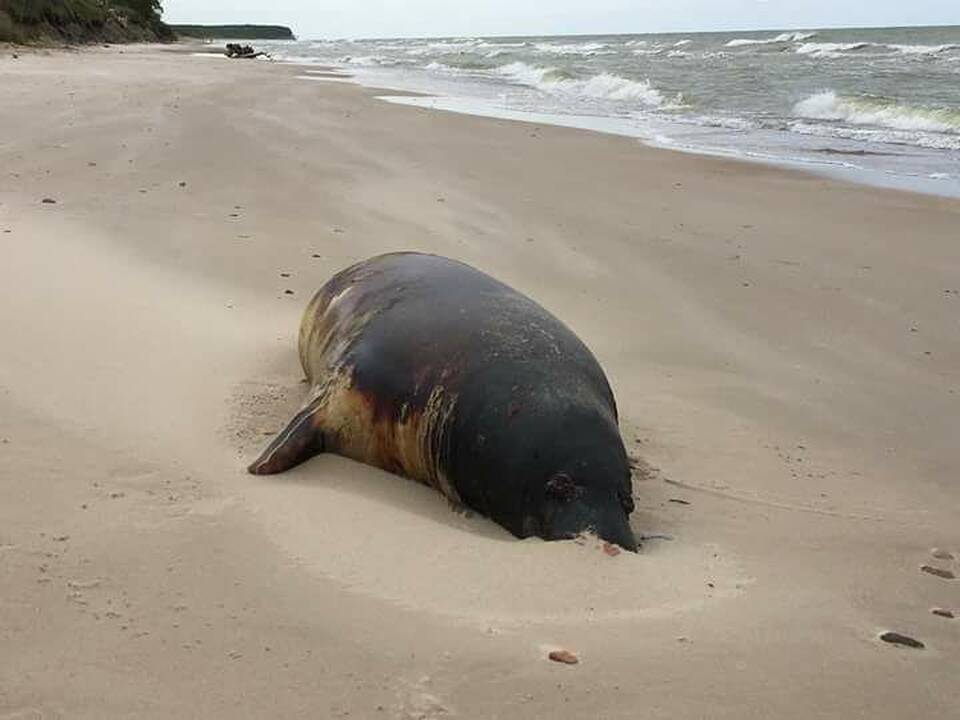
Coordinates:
[548,462]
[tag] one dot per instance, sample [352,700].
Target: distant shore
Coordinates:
[783,349]
[234,32]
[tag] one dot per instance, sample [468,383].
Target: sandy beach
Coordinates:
[784,349]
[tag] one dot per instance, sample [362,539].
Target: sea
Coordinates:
[880,106]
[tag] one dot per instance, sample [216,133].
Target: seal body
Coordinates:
[431,369]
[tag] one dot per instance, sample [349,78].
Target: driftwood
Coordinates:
[236,50]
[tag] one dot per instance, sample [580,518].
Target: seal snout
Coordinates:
[572,509]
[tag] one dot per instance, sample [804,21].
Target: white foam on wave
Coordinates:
[364,60]
[586,49]
[923,49]
[912,125]
[830,49]
[782,38]
[726,122]
[872,135]
[603,86]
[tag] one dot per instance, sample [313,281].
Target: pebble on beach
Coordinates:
[938,572]
[895,638]
[567,657]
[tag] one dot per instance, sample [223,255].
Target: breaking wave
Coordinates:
[923,49]
[782,38]
[828,105]
[585,49]
[830,49]
[603,86]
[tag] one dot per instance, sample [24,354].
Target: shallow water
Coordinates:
[882,102]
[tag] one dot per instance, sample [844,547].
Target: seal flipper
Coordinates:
[299,441]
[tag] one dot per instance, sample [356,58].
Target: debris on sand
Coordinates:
[49,201]
[611,549]
[236,50]
[567,657]
[943,612]
[938,572]
[895,638]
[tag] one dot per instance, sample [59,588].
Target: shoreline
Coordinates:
[827,104]
[834,170]
[783,349]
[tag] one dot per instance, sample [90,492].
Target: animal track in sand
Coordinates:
[792,507]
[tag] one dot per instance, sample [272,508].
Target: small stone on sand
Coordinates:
[49,201]
[288,292]
[566,657]
[895,638]
[938,572]
[943,612]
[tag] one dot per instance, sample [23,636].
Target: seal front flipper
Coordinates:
[299,441]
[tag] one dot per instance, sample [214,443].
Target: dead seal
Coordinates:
[431,369]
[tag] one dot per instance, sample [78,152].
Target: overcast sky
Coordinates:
[395,18]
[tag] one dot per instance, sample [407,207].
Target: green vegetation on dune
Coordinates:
[82,21]
[235,32]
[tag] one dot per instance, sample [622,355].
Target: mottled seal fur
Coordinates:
[431,369]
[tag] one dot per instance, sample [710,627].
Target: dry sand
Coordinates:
[785,351]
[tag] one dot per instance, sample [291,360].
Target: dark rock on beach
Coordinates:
[895,638]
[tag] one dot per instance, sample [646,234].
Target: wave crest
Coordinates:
[781,38]
[830,49]
[827,105]
[603,86]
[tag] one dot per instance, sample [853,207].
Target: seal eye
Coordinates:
[562,487]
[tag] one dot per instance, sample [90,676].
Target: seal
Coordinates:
[428,368]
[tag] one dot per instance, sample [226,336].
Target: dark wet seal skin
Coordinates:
[431,369]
